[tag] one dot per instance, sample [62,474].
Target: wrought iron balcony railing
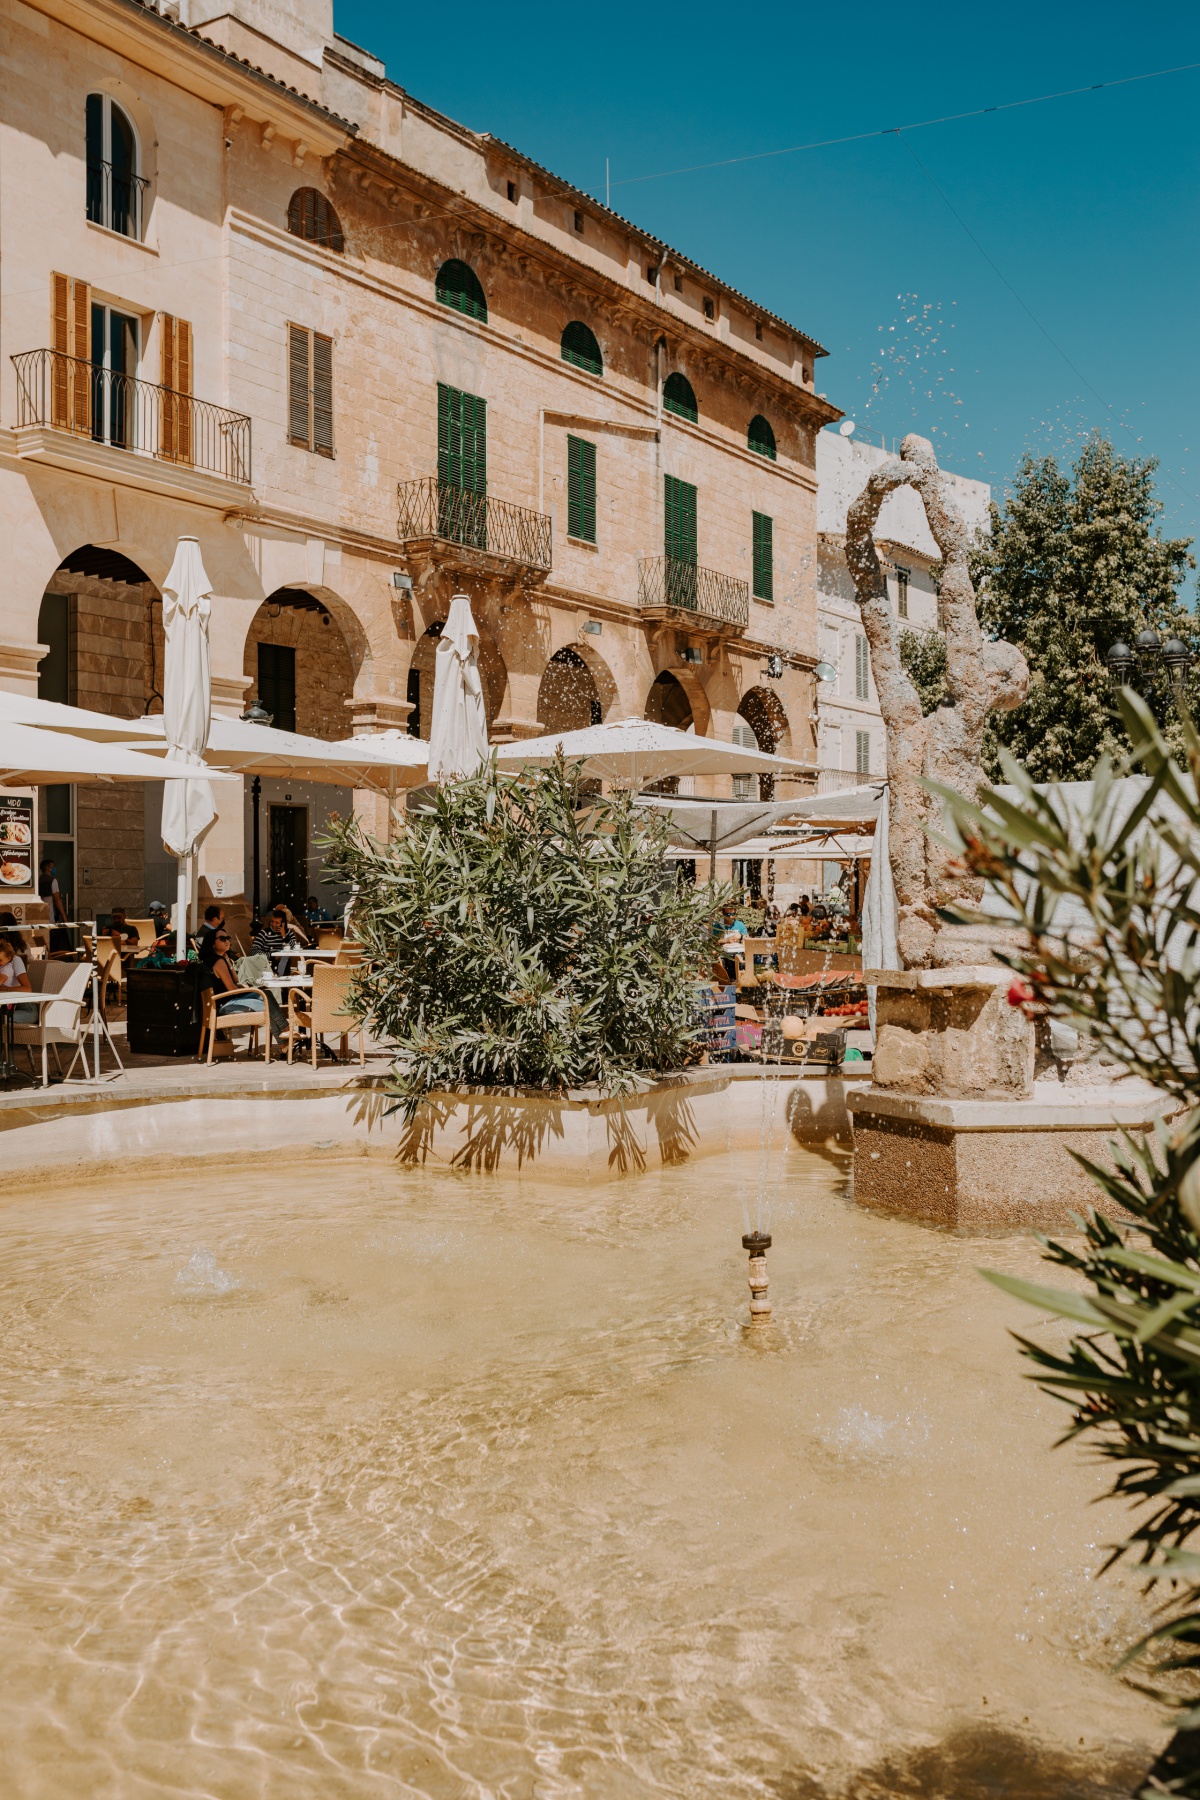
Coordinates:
[68,393]
[839,781]
[429,508]
[115,199]
[668,585]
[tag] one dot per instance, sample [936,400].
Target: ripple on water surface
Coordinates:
[353,1482]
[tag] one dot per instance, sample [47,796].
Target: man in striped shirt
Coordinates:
[274,934]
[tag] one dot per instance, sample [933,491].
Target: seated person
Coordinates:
[231,996]
[214,919]
[315,914]
[123,935]
[275,933]
[13,974]
[732,933]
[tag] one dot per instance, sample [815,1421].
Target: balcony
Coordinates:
[684,593]
[75,415]
[840,781]
[116,199]
[454,528]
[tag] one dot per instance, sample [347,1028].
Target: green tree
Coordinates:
[512,939]
[923,654]
[1073,562]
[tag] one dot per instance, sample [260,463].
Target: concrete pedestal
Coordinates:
[993,1163]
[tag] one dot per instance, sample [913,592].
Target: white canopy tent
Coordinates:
[824,846]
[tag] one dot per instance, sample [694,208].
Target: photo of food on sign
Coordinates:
[16,841]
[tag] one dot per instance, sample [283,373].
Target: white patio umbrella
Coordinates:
[714,827]
[189,810]
[634,752]
[458,743]
[31,757]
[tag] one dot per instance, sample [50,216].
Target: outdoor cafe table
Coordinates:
[10,998]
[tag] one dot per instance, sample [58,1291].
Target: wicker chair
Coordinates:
[213,1021]
[323,1013]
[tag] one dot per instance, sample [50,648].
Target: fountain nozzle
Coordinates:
[758,1243]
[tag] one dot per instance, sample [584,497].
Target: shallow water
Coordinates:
[352,1482]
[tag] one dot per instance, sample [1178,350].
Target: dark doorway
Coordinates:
[277,684]
[288,865]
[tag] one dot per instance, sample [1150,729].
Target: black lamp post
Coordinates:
[1147,651]
[255,714]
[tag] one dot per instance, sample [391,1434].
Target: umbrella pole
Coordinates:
[181,895]
[712,851]
[95,1004]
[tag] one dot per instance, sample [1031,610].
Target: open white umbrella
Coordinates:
[635,751]
[31,757]
[189,810]
[458,727]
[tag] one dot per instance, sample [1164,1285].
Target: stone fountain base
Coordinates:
[993,1163]
[956,1129]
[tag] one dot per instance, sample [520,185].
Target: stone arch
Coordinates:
[668,702]
[764,712]
[96,619]
[299,665]
[568,699]
[602,676]
[492,672]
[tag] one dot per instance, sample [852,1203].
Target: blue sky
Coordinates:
[1086,206]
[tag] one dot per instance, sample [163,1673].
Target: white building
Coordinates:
[850,738]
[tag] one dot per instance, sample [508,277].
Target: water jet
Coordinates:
[758,1243]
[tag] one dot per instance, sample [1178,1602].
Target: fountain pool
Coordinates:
[340,1481]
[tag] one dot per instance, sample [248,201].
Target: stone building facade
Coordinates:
[258,293]
[851,744]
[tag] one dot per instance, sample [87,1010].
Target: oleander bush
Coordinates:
[1107,908]
[516,938]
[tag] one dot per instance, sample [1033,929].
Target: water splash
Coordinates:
[200,1276]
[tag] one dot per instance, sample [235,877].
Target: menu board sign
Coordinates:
[18,846]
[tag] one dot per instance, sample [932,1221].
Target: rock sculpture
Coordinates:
[982,675]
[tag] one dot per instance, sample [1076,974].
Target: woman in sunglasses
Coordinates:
[232,997]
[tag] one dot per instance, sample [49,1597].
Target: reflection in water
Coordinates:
[412,1483]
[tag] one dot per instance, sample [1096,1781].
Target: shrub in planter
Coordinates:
[514,940]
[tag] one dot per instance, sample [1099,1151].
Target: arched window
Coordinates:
[311,217]
[678,397]
[760,438]
[458,286]
[579,346]
[114,186]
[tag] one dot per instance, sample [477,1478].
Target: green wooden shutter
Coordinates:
[679,541]
[764,557]
[581,489]
[862,752]
[680,519]
[299,429]
[462,440]
[322,394]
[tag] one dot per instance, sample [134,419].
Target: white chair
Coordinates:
[61,1022]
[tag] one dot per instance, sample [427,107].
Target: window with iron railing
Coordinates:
[115,188]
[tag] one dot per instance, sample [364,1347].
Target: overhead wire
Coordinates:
[859,137]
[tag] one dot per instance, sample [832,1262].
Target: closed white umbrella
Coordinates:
[188,807]
[458,729]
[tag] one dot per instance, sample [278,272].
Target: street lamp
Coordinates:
[1148,650]
[255,714]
